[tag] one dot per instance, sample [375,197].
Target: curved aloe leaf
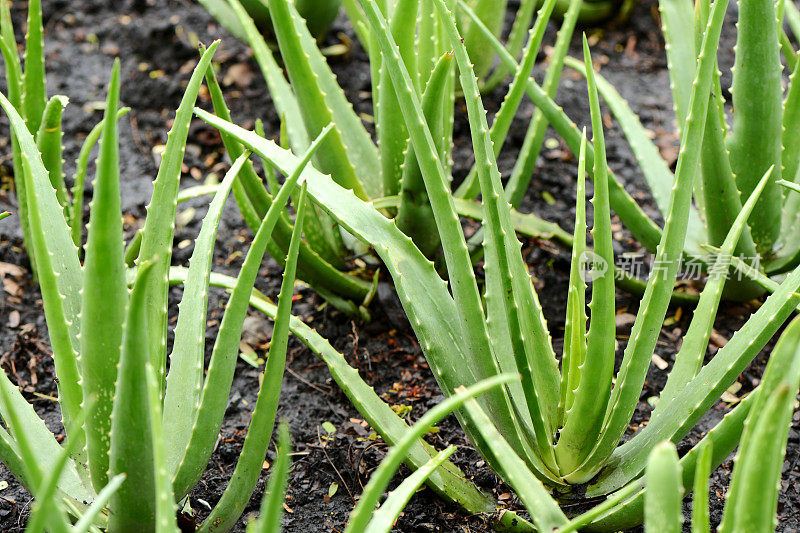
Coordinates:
[663,509]
[269,516]
[185,378]
[159,227]
[34,93]
[48,140]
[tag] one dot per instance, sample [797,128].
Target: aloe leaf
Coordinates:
[166,510]
[133,505]
[702,391]
[79,178]
[224,14]
[415,216]
[384,518]
[701,522]
[245,475]
[544,511]
[48,141]
[759,461]
[159,226]
[522,173]
[677,25]
[689,359]
[56,272]
[216,389]
[64,255]
[576,319]
[349,154]
[584,420]
[185,377]
[631,214]
[655,170]
[663,509]
[42,444]
[755,142]
[508,109]
[105,295]
[644,334]
[383,474]
[34,93]
[392,131]
[424,295]
[271,511]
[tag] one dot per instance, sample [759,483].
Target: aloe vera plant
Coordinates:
[735,154]
[134,449]
[563,427]
[387,173]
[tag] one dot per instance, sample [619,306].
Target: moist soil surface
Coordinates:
[155,40]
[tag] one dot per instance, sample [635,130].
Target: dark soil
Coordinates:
[156,41]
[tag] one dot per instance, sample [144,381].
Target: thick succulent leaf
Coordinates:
[415,216]
[755,142]
[133,505]
[384,518]
[269,516]
[349,154]
[48,141]
[689,358]
[105,295]
[79,178]
[677,25]
[701,522]
[245,475]
[57,239]
[56,272]
[185,378]
[663,509]
[166,510]
[159,226]
[34,92]
[216,389]
[576,319]
[647,326]
[383,474]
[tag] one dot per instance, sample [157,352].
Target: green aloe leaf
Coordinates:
[105,295]
[269,516]
[131,439]
[48,140]
[701,522]
[34,92]
[159,226]
[185,378]
[663,509]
